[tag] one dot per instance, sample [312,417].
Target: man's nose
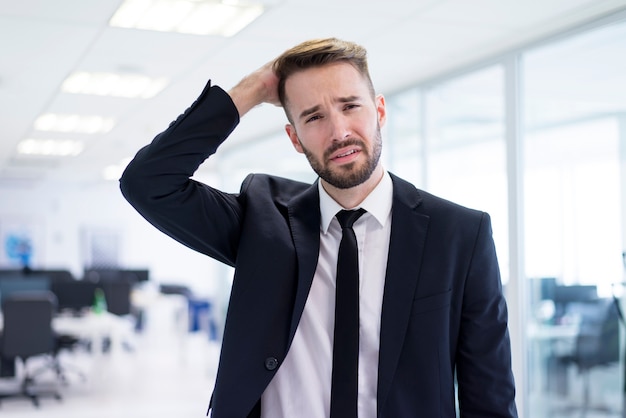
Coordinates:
[340,127]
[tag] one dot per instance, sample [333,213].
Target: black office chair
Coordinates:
[597,345]
[175,289]
[62,343]
[118,296]
[27,332]
[179,290]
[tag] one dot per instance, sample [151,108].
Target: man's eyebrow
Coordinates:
[311,110]
[307,112]
[348,99]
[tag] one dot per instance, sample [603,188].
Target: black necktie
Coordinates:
[344,391]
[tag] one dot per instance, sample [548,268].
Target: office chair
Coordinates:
[117,294]
[175,289]
[597,345]
[182,316]
[27,332]
[62,342]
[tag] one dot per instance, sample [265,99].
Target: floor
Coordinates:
[165,374]
[165,377]
[606,397]
[169,373]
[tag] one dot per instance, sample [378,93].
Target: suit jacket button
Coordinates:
[271,363]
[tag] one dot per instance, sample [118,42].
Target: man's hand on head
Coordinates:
[261,86]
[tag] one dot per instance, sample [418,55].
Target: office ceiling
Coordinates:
[42,42]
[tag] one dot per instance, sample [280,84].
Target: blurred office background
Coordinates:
[514,107]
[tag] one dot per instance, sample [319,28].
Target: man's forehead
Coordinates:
[302,87]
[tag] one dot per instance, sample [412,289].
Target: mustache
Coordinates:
[338,145]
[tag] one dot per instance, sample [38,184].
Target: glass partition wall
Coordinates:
[572,167]
[466,158]
[574,106]
[403,144]
[450,137]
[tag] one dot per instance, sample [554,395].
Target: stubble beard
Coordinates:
[347,176]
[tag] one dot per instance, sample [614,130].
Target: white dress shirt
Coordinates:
[301,387]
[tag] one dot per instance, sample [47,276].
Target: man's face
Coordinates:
[335,123]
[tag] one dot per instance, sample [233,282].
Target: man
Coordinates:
[430,308]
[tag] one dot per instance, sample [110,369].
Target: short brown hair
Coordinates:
[316,53]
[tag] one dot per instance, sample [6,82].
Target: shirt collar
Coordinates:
[377,203]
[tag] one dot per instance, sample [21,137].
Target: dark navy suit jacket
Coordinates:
[444,318]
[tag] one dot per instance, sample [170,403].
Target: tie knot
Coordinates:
[347,218]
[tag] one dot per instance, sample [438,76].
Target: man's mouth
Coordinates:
[345,154]
[344,151]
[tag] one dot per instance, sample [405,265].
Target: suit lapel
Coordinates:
[406,247]
[304,221]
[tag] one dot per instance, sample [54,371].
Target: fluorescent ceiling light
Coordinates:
[54,122]
[197,17]
[50,147]
[113,84]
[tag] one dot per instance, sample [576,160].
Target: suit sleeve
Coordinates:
[158,184]
[486,385]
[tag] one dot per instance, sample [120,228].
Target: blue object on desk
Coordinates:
[201,310]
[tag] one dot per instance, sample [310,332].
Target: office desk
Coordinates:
[546,343]
[96,328]
[547,332]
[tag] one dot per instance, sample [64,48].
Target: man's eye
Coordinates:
[313,118]
[351,106]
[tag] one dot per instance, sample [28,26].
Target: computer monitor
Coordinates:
[17,284]
[97,275]
[547,286]
[74,295]
[575,293]
[564,296]
[10,273]
[56,275]
[540,289]
[140,275]
[27,273]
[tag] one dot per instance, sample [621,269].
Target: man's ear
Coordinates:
[381,109]
[293,136]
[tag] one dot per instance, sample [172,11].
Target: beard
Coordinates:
[347,175]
